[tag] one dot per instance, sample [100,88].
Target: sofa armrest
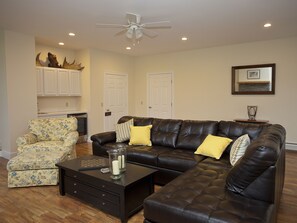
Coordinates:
[262,164]
[26,139]
[104,137]
[71,138]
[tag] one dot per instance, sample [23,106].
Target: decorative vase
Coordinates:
[114,163]
[252,111]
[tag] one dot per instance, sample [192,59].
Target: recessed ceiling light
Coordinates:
[71,34]
[184,38]
[267,25]
[61,43]
[128,48]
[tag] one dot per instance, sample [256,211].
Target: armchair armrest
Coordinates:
[71,138]
[26,139]
[104,137]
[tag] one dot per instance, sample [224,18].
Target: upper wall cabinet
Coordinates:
[58,82]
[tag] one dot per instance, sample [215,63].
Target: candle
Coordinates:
[115,167]
[123,161]
[120,161]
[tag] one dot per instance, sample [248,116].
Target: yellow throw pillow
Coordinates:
[140,135]
[213,146]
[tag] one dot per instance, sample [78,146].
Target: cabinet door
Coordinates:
[74,80]
[39,78]
[50,84]
[63,82]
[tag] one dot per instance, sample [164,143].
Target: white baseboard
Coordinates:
[291,146]
[8,155]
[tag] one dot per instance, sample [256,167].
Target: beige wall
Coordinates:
[202,82]
[102,62]
[19,88]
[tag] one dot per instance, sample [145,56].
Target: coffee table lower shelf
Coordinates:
[121,198]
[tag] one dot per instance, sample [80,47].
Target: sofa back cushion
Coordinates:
[52,129]
[255,174]
[193,133]
[165,132]
[233,130]
[138,121]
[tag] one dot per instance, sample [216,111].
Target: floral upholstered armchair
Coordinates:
[50,134]
[48,142]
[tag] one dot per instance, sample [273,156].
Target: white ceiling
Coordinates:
[206,23]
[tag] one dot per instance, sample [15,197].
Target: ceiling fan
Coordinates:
[135,30]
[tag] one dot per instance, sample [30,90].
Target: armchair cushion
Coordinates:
[52,129]
[28,138]
[45,146]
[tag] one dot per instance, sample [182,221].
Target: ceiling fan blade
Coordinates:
[133,18]
[111,25]
[159,24]
[149,33]
[120,32]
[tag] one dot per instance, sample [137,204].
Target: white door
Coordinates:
[115,99]
[50,84]
[74,79]
[160,95]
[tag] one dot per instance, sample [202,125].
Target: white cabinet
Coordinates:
[74,81]
[39,79]
[50,81]
[63,82]
[58,82]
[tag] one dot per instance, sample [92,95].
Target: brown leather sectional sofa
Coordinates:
[202,189]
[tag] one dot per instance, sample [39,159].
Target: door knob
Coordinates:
[150,107]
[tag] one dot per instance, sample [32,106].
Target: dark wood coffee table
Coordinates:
[121,198]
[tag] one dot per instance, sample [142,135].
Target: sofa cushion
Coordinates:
[233,130]
[138,121]
[192,133]
[257,166]
[213,146]
[199,195]
[146,155]
[123,131]
[238,148]
[140,135]
[178,159]
[165,132]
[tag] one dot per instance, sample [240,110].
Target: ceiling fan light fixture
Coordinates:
[138,34]
[129,33]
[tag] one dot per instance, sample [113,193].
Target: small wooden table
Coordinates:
[121,198]
[252,121]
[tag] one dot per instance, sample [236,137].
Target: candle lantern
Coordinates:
[114,164]
[122,158]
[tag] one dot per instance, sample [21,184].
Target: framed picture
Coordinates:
[253,74]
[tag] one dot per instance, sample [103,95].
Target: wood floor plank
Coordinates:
[45,205]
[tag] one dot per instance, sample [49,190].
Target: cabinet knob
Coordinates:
[75,192]
[103,203]
[103,186]
[75,176]
[103,195]
[74,184]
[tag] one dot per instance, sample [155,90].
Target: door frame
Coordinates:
[104,91]
[148,90]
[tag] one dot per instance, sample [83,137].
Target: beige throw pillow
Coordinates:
[238,148]
[123,131]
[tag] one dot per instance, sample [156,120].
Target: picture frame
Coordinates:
[253,74]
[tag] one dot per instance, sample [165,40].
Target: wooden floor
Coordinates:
[44,204]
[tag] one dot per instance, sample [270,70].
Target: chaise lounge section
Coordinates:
[200,188]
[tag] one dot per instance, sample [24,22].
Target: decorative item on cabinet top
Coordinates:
[53,62]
